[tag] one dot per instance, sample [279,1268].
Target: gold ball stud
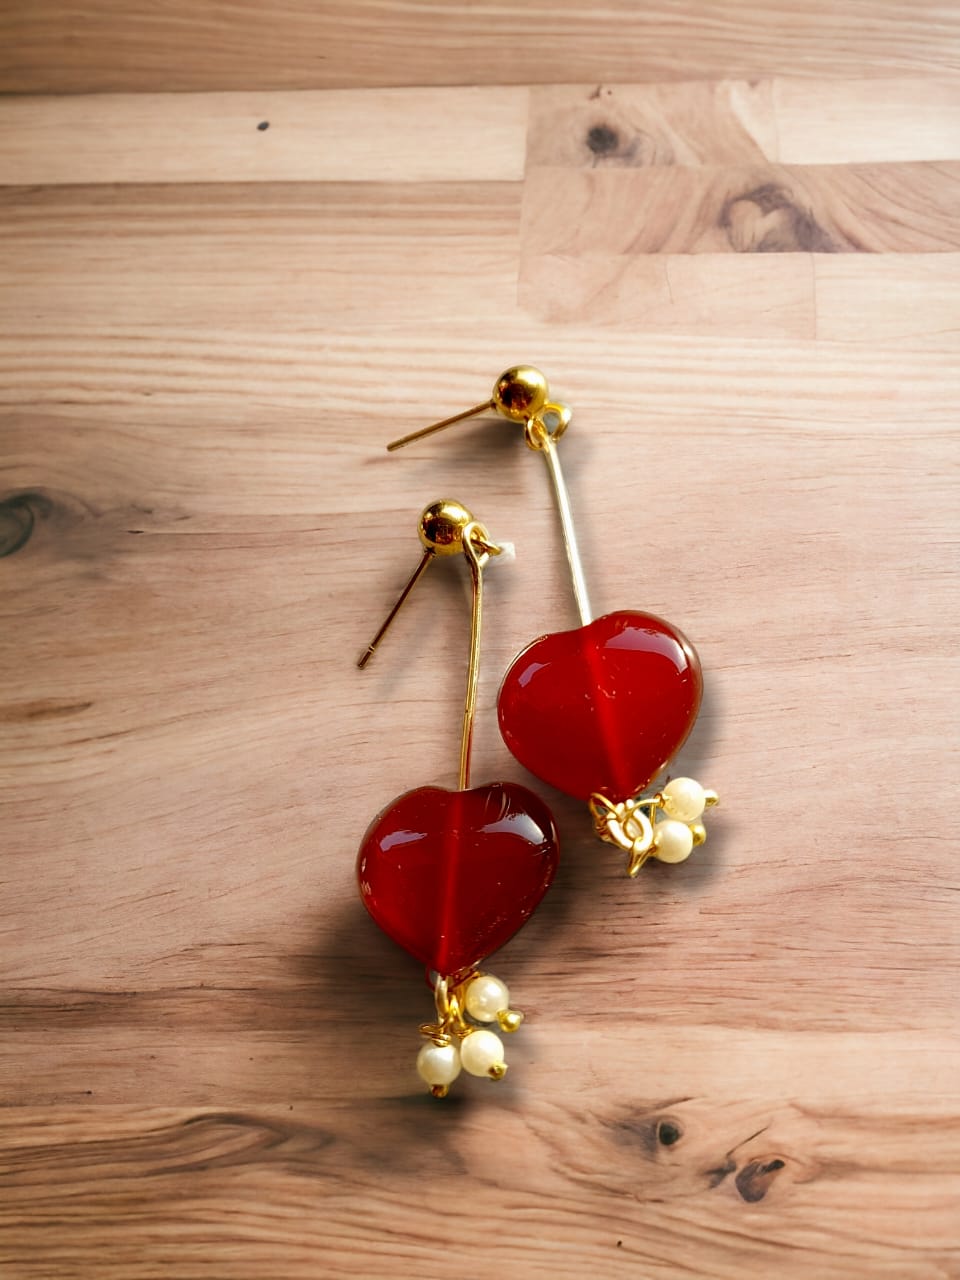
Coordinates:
[520,393]
[509,1019]
[442,525]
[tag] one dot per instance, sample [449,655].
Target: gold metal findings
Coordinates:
[634,827]
[447,528]
[521,395]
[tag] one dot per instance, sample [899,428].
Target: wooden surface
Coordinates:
[729,234]
[53,46]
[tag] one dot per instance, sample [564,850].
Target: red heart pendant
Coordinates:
[451,875]
[602,708]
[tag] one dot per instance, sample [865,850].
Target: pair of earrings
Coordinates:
[597,712]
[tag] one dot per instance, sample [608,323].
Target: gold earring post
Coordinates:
[447,528]
[521,395]
[438,426]
[371,648]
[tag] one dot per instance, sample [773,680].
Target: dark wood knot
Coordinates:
[18,516]
[669,1133]
[754,1179]
[602,139]
[768,219]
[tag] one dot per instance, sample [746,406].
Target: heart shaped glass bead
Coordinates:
[451,875]
[602,708]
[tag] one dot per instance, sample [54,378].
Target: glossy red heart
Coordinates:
[451,875]
[602,708]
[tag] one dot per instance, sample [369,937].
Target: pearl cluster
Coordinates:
[635,827]
[455,1044]
[683,801]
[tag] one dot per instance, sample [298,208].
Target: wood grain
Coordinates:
[427,252]
[834,122]
[607,1183]
[744,1066]
[406,135]
[899,208]
[898,299]
[764,296]
[51,47]
[741,122]
[471,134]
[633,126]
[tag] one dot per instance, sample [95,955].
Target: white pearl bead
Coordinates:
[438,1063]
[684,799]
[479,1051]
[486,997]
[672,840]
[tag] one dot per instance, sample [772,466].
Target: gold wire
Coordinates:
[414,579]
[539,438]
[476,561]
[439,426]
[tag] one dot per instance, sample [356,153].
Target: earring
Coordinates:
[451,875]
[599,712]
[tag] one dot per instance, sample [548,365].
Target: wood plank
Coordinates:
[572,1048]
[762,295]
[51,47]
[406,135]
[902,208]
[896,298]
[864,122]
[98,372]
[217,136]
[208,254]
[633,1186]
[797,122]
[633,126]
[890,299]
